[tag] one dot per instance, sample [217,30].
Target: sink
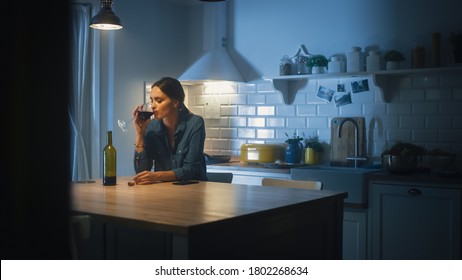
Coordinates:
[335,178]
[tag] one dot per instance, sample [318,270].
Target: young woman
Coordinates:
[173,141]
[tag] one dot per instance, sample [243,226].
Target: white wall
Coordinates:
[162,38]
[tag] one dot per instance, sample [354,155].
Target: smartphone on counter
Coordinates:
[185,182]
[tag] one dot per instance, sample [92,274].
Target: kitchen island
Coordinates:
[208,220]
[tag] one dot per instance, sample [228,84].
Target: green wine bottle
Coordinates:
[109,162]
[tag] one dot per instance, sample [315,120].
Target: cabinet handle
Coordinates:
[414,192]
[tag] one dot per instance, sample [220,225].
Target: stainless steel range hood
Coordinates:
[215,64]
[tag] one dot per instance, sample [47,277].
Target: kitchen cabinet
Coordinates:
[289,85]
[412,221]
[354,234]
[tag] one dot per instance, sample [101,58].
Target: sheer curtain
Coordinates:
[80,105]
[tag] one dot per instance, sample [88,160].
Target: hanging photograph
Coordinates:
[340,87]
[325,93]
[342,98]
[359,86]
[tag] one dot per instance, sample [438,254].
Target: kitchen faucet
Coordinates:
[356,157]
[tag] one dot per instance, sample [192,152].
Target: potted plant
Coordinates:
[294,148]
[312,149]
[456,41]
[393,59]
[318,63]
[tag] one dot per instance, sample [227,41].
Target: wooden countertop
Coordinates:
[176,208]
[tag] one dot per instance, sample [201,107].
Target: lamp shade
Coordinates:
[106,19]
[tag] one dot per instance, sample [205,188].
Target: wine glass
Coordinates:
[144,112]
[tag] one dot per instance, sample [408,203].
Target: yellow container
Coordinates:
[311,156]
[262,153]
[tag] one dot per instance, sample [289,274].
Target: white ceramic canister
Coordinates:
[373,61]
[334,65]
[354,60]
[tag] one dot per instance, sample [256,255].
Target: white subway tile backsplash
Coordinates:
[221,122]
[275,122]
[400,82]
[256,122]
[457,93]
[328,110]
[388,122]
[229,133]
[256,98]
[228,110]
[436,121]
[375,109]
[238,122]
[457,121]
[399,108]
[452,108]
[412,95]
[412,122]
[238,99]
[265,86]
[318,122]
[244,110]
[363,97]
[419,81]
[220,144]
[439,94]
[265,134]
[265,111]
[247,88]
[423,109]
[299,99]
[351,110]
[285,110]
[246,133]
[451,135]
[274,98]
[306,110]
[426,135]
[399,135]
[450,79]
[296,122]
[211,132]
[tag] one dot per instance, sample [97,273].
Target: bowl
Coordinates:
[400,164]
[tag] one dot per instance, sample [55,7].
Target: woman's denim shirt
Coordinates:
[186,159]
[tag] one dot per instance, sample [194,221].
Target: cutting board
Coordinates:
[344,146]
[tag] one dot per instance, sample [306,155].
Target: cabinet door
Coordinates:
[354,234]
[409,222]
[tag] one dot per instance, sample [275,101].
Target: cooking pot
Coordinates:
[399,163]
[262,153]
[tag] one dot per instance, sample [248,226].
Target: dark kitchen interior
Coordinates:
[418,105]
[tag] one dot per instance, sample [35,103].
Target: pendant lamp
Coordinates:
[106,19]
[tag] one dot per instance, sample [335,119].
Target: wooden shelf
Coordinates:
[289,85]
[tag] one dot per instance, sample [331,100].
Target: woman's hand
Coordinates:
[140,125]
[146,177]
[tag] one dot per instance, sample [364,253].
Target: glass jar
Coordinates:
[334,65]
[373,61]
[354,60]
[300,65]
[285,67]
